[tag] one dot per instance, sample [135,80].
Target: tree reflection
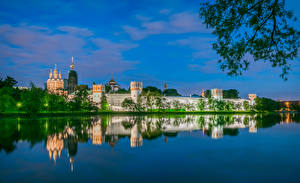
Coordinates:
[67,132]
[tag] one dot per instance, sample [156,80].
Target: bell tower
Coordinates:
[135,89]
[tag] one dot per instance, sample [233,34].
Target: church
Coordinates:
[57,85]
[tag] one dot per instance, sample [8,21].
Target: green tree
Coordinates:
[201,104]
[151,89]
[229,106]
[171,92]
[207,94]
[231,93]
[212,104]
[104,103]
[128,104]
[220,105]
[122,91]
[8,82]
[238,106]
[266,104]
[246,105]
[7,101]
[251,30]
[107,88]
[32,100]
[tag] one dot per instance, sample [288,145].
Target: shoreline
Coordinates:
[82,113]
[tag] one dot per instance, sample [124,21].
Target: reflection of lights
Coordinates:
[19,104]
[19,126]
[217,132]
[252,129]
[72,164]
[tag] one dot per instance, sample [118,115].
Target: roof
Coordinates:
[112,82]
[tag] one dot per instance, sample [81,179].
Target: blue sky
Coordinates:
[154,41]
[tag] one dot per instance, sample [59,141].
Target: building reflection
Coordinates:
[136,138]
[55,145]
[57,142]
[97,137]
[217,132]
[110,131]
[252,126]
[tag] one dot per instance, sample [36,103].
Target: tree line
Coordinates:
[34,99]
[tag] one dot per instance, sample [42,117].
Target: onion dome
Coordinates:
[112,82]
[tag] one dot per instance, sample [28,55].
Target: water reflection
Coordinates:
[65,133]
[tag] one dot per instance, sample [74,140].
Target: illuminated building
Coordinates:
[217,93]
[55,83]
[97,93]
[252,97]
[114,85]
[72,79]
[135,89]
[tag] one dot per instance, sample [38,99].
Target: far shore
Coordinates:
[83,113]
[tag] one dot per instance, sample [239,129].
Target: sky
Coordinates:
[156,42]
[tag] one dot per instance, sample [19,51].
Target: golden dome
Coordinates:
[112,82]
[72,66]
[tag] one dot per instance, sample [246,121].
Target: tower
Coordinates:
[135,89]
[72,79]
[98,91]
[217,93]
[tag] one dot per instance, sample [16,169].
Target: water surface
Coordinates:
[177,148]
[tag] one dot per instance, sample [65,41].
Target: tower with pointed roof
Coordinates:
[72,79]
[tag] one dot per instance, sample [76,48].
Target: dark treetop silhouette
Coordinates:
[258,30]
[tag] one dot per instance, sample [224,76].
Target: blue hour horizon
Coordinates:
[155,42]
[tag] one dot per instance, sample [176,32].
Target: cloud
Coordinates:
[142,18]
[184,22]
[76,31]
[165,11]
[208,67]
[29,51]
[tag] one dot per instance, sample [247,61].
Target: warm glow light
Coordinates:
[19,104]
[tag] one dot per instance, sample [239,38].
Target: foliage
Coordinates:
[295,107]
[251,30]
[201,104]
[36,100]
[171,92]
[107,88]
[82,87]
[246,105]
[266,104]
[8,82]
[128,104]
[131,105]
[207,94]
[151,89]
[32,100]
[212,104]
[229,106]
[122,91]
[104,104]
[231,93]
